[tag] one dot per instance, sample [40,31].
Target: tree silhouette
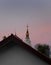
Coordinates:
[43,49]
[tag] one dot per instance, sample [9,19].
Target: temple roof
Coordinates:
[17,41]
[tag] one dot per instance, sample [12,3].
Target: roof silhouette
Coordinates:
[17,41]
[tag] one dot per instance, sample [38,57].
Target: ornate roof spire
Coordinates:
[27,36]
[27,33]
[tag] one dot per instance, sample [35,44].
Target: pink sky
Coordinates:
[15,15]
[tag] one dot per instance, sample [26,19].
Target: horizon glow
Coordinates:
[16,14]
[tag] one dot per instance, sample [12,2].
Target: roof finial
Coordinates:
[27,36]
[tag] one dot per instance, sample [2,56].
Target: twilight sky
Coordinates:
[16,14]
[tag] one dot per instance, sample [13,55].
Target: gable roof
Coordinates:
[17,40]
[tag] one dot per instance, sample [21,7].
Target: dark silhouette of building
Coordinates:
[13,51]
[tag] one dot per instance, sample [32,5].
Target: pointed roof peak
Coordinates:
[17,41]
[27,32]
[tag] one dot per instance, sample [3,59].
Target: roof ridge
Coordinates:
[24,45]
